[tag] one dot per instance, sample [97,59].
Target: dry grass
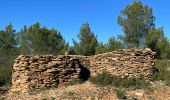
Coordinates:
[89,91]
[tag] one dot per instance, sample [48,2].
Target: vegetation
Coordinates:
[88,41]
[163,71]
[120,94]
[101,48]
[138,24]
[32,40]
[73,82]
[106,79]
[136,20]
[112,45]
[158,43]
[8,51]
[40,40]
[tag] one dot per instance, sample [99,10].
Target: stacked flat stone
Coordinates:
[125,63]
[35,72]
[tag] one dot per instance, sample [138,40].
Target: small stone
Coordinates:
[168,69]
[139,94]
[126,74]
[60,56]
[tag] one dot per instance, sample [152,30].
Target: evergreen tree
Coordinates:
[114,44]
[7,39]
[137,21]
[7,42]
[158,43]
[101,48]
[88,41]
[71,51]
[40,40]
[7,53]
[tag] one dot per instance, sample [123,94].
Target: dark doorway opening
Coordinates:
[84,72]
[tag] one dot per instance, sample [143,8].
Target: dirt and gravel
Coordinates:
[89,91]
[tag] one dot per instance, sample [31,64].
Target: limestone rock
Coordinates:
[38,71]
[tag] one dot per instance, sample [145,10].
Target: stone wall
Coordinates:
[36,72]
[125,63]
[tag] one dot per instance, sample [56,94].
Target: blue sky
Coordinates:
[68,15]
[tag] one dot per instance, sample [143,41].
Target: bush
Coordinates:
[137,83]
[5,75]
[106,79]
[2,81]
[163,70]
[73,82]
[121,94]
[103,79]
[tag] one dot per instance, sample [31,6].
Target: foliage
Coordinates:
[8,52]
[44,98]
[158,43]
[102,79]
[73,82]
[88,41]
[32,40]
[101,48]
[114,44]
[121,94]
[5,74]
[163,48]
[2,81]
[40,40]
[136,20]
[106,79]
[153,37]
[53,98]
[71,51]
[163,70]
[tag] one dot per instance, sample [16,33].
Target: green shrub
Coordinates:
[53,98]
[44,98]
[5,75]
[102,79]
[73,82]
[137,83]
[163,70]
[168,83]
[106,79]
[121,94]
[2,81]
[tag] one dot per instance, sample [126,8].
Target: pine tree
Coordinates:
[8,51]
[157,41]
[88,41]
[41,40]
[137,21]
[114,44]
[101,48]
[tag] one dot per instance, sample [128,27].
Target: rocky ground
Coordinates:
[89,91]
